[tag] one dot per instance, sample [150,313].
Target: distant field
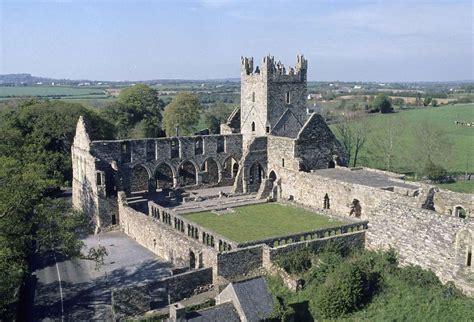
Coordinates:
[262,221]
[460,156]
[7,92]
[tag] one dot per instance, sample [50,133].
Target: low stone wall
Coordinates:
[309,235]
[426,238]
[351,240]
[239,262]
[164,240]
[134,300]
[190,228]
[445,202]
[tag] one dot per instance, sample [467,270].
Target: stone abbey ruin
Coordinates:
[271,149]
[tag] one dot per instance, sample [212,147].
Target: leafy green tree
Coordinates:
[43,131]
[435,172]
[30,224]
[382,103]
[427,101]
[216,115]
[183,113]
[136,113]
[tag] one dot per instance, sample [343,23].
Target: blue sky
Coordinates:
[204,39]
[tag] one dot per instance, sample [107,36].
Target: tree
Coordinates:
[427,101]
[30,224]
[353,132]
[216,115]
[387,142]
[382,103]
[43,131]
[183,113]
[432,145]
[136,113]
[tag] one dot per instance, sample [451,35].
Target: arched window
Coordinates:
[460,212]
[331,164]
[198,146]
[253,126]
[253,96]
[272,176]
[287,97]
[210,172]
[326,204]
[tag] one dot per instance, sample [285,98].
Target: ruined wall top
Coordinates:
[274,70]
[81,138]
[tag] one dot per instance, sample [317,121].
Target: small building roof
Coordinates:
[222,312]
[254,298]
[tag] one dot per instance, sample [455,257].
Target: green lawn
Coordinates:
[262,221]
[459,186]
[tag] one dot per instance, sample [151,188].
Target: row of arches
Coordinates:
[188,173]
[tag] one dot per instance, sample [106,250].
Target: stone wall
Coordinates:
[138,299]
[164,240]
[310,189]
[239,262]
[352,240]
[446,202]
[426,238]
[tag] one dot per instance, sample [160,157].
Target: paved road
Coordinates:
[74,290]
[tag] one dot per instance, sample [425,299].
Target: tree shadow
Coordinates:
[92,300]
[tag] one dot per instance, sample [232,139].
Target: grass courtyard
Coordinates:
[262,221]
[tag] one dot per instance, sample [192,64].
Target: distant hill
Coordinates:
[28,79]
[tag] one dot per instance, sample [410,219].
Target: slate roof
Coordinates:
[254,298]
[219,313]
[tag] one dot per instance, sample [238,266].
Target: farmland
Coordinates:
[458,156]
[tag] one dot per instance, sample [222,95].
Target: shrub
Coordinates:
[416,276]
[435,172]
[295,262]
[342,293]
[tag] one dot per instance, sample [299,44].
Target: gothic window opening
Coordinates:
[99,179]
[198,146]
[174,149]
[220,144]
[253,126]
[287,97]
[150,150]
[126,153]
[460,212]
[326,204]
[331,164]
[283,162]
[267,129]
[253,96]
[469,259]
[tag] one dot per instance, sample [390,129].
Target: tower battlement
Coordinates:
[276,71]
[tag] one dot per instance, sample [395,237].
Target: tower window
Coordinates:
[253,126]
[287,97]
[253,96]
[268,129]
[283,162]
[469,259]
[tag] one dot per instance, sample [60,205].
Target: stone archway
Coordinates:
[256,176]
[164,176]
[230,168]
[192,260]
[139,179]
[272,176]
[187,174]
[464,248]
[459,211]
[210,172]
